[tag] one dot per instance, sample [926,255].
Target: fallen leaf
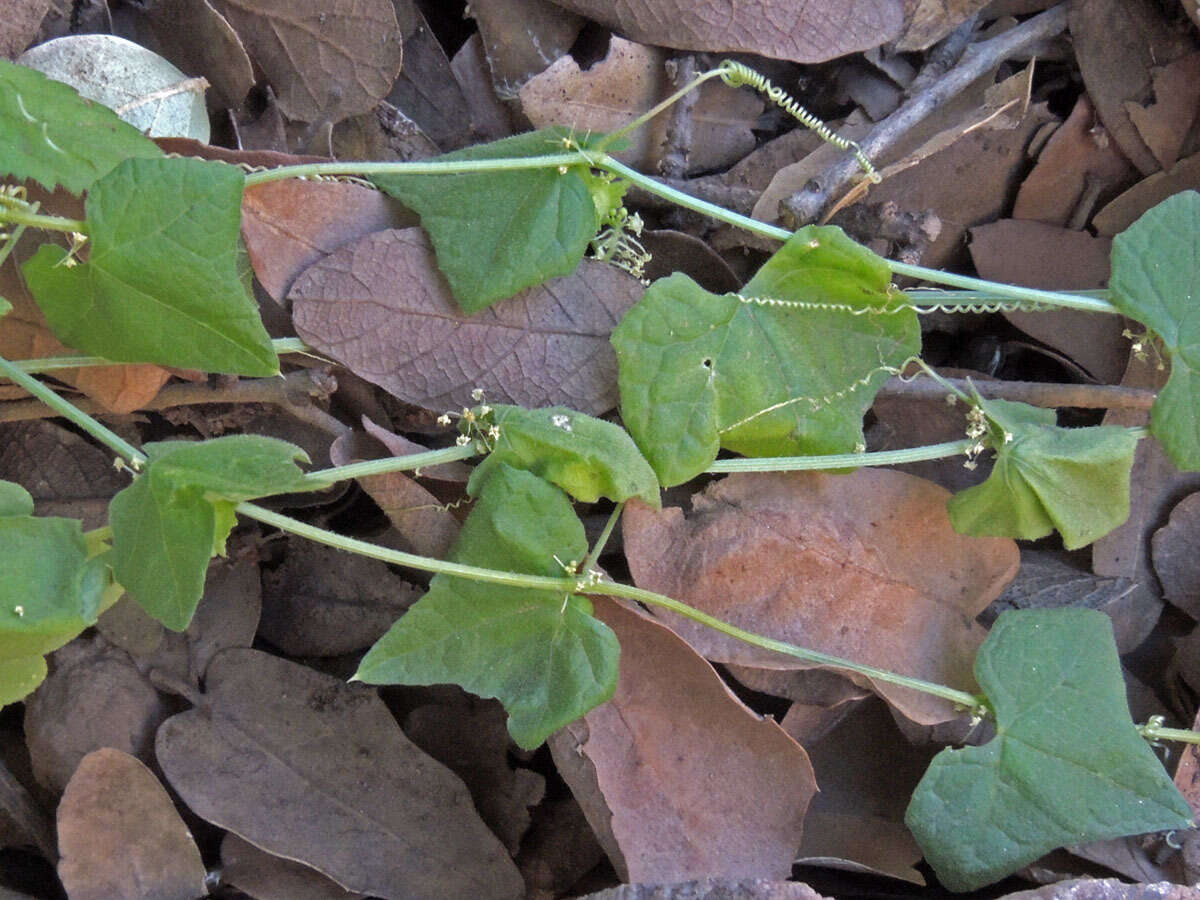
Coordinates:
[289,225]
[862,566]
[267,877]
[23,821]
[1175,561]
[398,445]
[1117,43]
[677,251]
[558,850]
[728,789]
[928,21]
[805,33]
[66,474]
[380,307]
[322,602]
[1149,192]
[521,38]
[94,697]
[858,815]
[316,770]
[327,60]
[711,889]
[1165,124]
[1187,775]
[821,699]
[490,118]
[1104,889]
[1034,254]
[120,836]
[20,26]
[1050,581]
[473,743]
[1077,155]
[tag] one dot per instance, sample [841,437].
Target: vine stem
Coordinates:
[1153,732]
[841,460]
[433,167]
[19,216]
[52,363]
[323,478]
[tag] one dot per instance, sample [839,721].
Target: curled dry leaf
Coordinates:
[289,225]
[267,877]
[863,566]
[803,32]
[1165,124]
[326,59]
[317,770]
[678,778]
[1175,560]
[120,836]
[381,308]
[928,21]
[1127,208]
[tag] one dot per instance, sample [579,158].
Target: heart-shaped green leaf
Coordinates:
[1075,480]
[1067,765]
[540,652]
[586,457]
[161,281]
[1156,280]
[497,233]
[787,366]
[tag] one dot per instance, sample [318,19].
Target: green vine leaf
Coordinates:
[50,592]
[586,457]
[1067,766]
[161,283]
[1155,273]
[55,137]
[542,653]
[497,233]
[1075,480]
[178,512]
[788,366]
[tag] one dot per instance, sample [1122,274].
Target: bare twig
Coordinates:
[1081,396]
[293,393]
[806,205]
[679,126]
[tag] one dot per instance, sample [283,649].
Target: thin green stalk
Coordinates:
[937,296]
[972,702]
[68,411]
[1153,732]
[840,460]
[593,557]
[432,167]
[53,363]
[38,220]
[323,478]
[645,117]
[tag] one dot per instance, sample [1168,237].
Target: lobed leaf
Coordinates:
[1066,766]
[497,233]
[541,653]
[1155,273]
[586,457]
[55,137]
[178,512]
[1075,480]
[161,283]
[787,366]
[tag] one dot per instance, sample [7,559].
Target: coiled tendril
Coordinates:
[735,75]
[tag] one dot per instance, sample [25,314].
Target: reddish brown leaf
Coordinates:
[711,889]
[317,770]
[120,836]
[1165,124]
[380,307]
[928,21]
[289,225]
[1129,206]
[20,25]
[521,37]
[267,877]
[678,778]
[1175,559]
[326,59]
[862,566]
[803,32]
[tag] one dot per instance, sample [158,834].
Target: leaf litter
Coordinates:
[364,290]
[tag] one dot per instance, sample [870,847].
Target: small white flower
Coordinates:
[19,610]
[494,432]
[477,394]
[444,419]
[484,410]
[462,440]
[560,421]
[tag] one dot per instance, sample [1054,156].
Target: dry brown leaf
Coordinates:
[20,25]
[1129,206]
[711,889]
[677,777]
[1175,559]
[1117,44]
[1165,124]
[1105,889]
[490,118]
[23,822]
[677,251]
[863,566]
[521,38]
[783,29]
[266,877]
[856,820]
[559,849]
[317,770]
[93,697]
[1034,254]
[322,602]
[120,836]
[1079,155]
[326,59]
[289,225]
[928,21]
[381,308]
[1187,775]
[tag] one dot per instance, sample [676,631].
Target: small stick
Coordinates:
[1080,396]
